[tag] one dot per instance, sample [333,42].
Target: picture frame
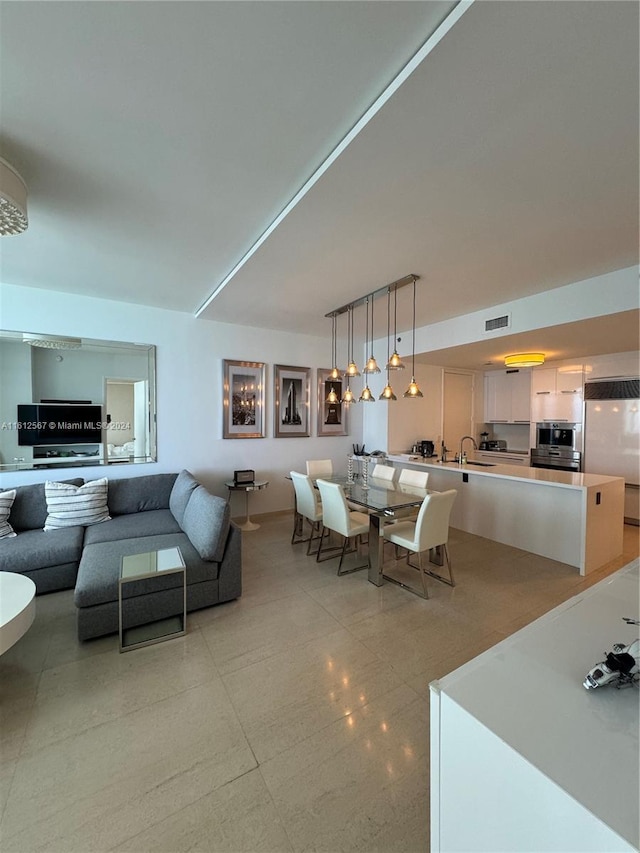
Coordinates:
[243,399]
[291,404]
[332,417]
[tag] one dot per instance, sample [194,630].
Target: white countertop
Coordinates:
[544,476]
[528,689]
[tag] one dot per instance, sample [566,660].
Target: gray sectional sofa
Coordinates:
[147,513]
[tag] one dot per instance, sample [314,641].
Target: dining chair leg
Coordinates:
[298,528]
[423,576]
[353,550]
[315,528]
[449,581]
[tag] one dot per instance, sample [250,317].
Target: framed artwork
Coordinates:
[291,385]
[244,397]
[332,417]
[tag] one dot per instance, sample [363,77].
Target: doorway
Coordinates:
[457,408]
[127,414]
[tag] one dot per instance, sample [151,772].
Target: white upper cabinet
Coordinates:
[507,396]
[556,394]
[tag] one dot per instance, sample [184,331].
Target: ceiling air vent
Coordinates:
[497,323]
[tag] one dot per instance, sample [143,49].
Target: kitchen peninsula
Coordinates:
[576,519]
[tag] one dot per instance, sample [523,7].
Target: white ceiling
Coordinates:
[160,139]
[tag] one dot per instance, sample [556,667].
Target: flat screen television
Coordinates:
[58,423]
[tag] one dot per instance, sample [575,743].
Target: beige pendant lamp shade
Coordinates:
[13,201]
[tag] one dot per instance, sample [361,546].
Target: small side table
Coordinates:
[246,488]
[147,566]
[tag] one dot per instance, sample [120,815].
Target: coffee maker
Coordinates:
[426,448]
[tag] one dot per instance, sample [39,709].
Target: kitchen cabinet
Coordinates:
[502,457]
[556,395]
[507,395]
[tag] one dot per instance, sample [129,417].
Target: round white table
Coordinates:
[17,608]
[247,524]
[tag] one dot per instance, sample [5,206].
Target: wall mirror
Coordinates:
[75,401]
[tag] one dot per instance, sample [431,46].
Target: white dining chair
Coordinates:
[319,468]
[337,517]
[383,472]
[430,530]
[308,508]
[411,477]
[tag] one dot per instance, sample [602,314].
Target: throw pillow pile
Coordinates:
[6,502]
[72,506]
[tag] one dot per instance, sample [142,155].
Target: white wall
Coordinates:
[189,385]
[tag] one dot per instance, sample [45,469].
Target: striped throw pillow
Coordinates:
[6,502]
[72,506]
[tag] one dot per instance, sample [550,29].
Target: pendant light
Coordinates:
[387,391]
[395,362]
[371,365]
[413,390]
[352,370]
[367,396]
[334,373]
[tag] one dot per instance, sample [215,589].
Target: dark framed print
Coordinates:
[244,398]
[291,385]
[332,415]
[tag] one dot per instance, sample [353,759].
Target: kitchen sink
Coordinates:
[469,462]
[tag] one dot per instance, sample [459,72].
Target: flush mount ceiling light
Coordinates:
[13,201]
[524,359]
[49,342]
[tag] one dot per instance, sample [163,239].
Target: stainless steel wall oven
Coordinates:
[558,446]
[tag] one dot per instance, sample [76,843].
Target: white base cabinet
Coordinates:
[522,756]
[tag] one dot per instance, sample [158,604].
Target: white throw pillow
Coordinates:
[6,502]
[72,506]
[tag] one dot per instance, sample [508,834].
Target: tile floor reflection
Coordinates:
[293,719]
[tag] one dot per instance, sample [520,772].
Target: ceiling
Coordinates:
[160,140]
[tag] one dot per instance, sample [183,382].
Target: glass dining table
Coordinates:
[382,501]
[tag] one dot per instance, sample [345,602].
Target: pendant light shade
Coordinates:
[387,391]
[348,396]
[334,373]
[367,396]
[413,391]
[371,365]
[394,362]
[352,367]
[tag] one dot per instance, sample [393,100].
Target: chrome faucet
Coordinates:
[462,440]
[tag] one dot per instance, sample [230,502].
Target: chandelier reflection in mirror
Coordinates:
[394,362]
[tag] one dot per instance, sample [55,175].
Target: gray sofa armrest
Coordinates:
[230,574]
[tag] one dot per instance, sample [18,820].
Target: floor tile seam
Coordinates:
[31,753]
[283,650]
[281,816]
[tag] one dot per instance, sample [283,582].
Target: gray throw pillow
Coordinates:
[206,523]
[183,488]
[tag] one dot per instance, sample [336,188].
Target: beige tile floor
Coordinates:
[293,719]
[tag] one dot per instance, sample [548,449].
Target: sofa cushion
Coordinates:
[35,549]
[152,523]
[29,510]
[6,502]
[182,490]
[100,568]
[206,523]
[140,494]
[69,506]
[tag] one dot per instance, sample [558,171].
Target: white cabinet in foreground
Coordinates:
[522,756]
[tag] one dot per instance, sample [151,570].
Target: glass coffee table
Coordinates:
[151,569]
